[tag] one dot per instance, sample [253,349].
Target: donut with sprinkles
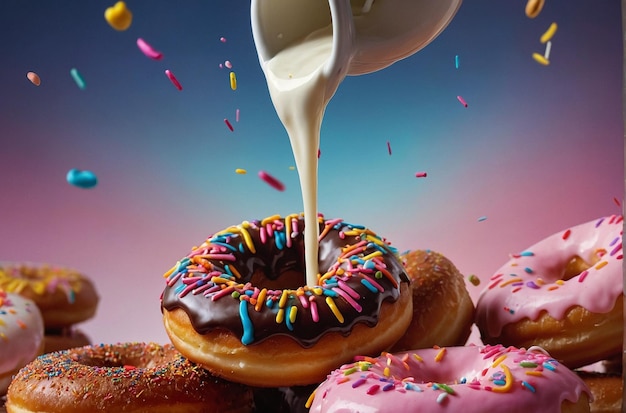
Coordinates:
[21,335]
[564,294]
[238,304]
[471,379]
[122,377]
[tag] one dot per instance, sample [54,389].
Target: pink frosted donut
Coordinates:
[564,294]
[455,379]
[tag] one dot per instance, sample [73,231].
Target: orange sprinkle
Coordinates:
[309,401]
[534,373]
[511,281]
[440,355]
[601,264]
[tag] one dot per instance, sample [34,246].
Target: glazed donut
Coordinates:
[21,335]
[564,294]
[124,377]
[443,311]
[468,379]
[65,339]
[64,296]
[238,304]
[606,390]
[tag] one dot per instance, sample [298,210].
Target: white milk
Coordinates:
[300,92]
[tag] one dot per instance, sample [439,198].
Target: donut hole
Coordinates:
[115,360]
[577,264]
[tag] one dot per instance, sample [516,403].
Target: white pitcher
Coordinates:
[368,35]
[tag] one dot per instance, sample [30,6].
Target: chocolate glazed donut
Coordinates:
[249,280]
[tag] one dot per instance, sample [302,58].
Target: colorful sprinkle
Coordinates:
[148,50]
[463,102]
[271,181]
[78,79]
[173,79]
[34,78]
[549,33]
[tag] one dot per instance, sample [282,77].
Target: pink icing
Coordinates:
[456,379]
[531,281]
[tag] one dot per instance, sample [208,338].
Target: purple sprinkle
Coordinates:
[532,284]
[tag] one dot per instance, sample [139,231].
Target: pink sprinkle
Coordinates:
[463,102]
[271,181]
[148,50]
[223,39]
[228,64]
[582,276]
[221,66]
[237,115]
[389,147]
[421,174]
[230,125]
[173,79]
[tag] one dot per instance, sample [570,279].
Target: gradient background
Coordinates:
[537,150]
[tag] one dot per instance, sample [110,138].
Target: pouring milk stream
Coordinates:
[307,47]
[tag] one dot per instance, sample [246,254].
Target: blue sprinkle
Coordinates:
[456,61]
[82,179]
[463,380]
[179,288]
[499,382]
[528,386]
[481,219]
[269,303]
[248,328]
[549,366]
[288,320]
[527,254]
[369,285]
[528,270]
[279,237]
[241,248]
[369,265]
[329,293]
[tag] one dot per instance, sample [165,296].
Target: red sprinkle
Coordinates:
[567,233]
[617,202]
[373,389]
[421,174]
[389,147]
[230,125]
[270,180]
[173,79]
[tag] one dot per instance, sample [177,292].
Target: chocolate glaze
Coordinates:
[274,261]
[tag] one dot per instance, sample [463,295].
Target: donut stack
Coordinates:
[564,294]
[65,298]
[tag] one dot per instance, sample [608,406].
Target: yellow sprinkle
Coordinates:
[288,227]
[375,240]
[309,401]
[540,281]
[318,291]
[539,58]
[559,282]
[334,309]
[291,168]
[260,299]
[171,270]
[373,255]
[4,337]
[246,236]
[269,220]
[220,280]
[292,313]
[417,357]
[499,360]
[280,316]
[233,81]
[508,379]
[283,299]
[386,372]
[600,264]
[241,171]
[2,323]
[440,355]
[549,33]
[534,373]
[511,281]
